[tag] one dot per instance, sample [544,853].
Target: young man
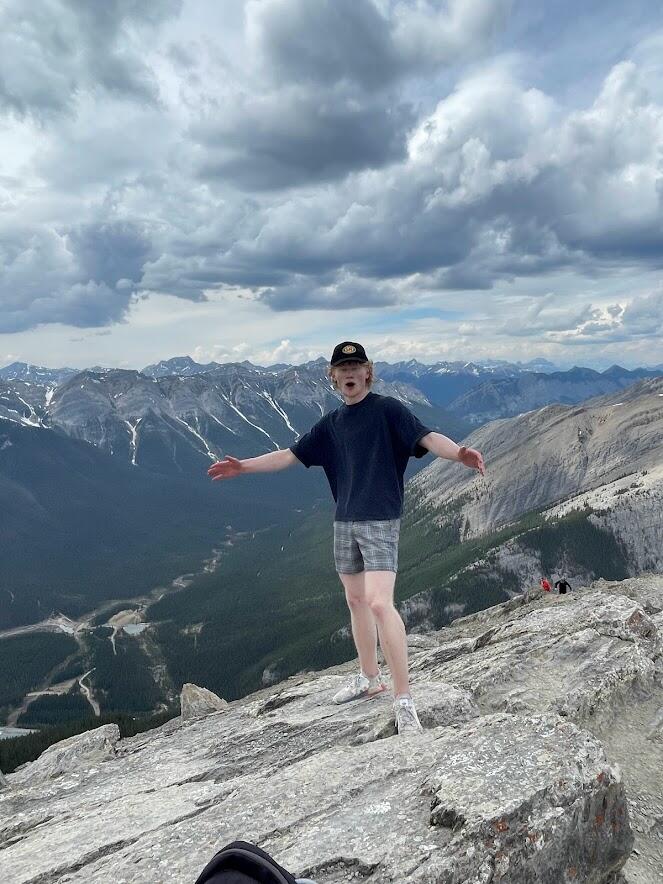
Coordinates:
[363,447]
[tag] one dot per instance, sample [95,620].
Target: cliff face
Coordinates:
[629,509]
[558,453]
[541,760]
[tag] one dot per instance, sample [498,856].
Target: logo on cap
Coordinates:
[349,348]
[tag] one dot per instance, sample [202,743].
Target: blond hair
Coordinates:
[369,380]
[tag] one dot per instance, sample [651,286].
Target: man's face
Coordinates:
[352,379]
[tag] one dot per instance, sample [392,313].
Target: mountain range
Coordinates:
[108,462]
[475,392]
[105,500]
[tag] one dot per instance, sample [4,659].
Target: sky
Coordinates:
[260,179]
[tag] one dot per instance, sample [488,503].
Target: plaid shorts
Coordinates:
[366,546]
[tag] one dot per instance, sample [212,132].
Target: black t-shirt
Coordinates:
[364,449]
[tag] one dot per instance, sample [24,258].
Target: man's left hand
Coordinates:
[472,459]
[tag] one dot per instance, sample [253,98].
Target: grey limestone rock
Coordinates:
[196,702]
[79,752]
[539,762]
[271,674]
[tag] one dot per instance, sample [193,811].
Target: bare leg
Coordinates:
[379,587]
[363,622]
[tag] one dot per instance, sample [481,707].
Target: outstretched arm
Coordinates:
[442,446]
[230,466]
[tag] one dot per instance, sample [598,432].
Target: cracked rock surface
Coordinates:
[541,761]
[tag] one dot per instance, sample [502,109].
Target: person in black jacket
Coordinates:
[562,586]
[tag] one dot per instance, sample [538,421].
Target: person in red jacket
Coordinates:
[545,586]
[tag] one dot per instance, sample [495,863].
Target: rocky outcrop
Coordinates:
[416,611]
[541,760]
[197,702]
[70,756]
[273,673]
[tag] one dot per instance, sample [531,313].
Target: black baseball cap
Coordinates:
[348,351]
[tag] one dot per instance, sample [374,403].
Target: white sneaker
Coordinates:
[407,720]
[360,686]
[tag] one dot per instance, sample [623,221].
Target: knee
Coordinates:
[355,600]
[380,608]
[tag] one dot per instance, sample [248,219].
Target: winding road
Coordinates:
[87,693]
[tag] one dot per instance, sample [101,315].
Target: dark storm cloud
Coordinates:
[84,277]
[188,277]
[324,42]
[345,294]
[109,252]
[497,185]
[364,42]
[281,140]
[81,305]
[326,156]
[50,50]
[325,99]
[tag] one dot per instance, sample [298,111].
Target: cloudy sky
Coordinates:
[440,179]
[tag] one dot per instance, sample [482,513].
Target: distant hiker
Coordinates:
[364,446]
[562,586]
[545,585]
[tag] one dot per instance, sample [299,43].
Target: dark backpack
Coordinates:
[243,863]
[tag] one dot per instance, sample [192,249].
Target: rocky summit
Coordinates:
[541,761]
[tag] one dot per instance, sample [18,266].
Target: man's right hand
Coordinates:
[227,468]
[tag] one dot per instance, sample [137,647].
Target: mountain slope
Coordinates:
[104,495]
[569,491]
[547,455]
[78,525]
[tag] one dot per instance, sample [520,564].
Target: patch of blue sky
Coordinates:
[387,320]
[569,47]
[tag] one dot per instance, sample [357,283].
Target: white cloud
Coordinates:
[362,156]
[51,50]
[430,32]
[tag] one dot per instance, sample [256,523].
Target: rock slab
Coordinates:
[197,702]
[76,753]
[539,762]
